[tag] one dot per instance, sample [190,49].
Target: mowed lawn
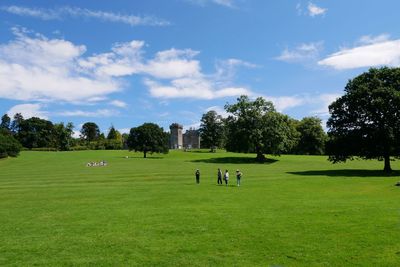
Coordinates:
[291,211]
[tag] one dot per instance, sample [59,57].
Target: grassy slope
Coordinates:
[297,211]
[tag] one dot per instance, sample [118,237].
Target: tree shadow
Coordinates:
[235,160]
[347,173]
[141,157]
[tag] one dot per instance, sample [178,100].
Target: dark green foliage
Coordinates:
[35,132]
[5,122]
[312,137]
[211,130]
[9,146]
[365,121]
[15,125]
[63,136]
[148,138]
[255,126]
[90,131]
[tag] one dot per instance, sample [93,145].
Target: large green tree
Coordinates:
[148,138]
[35,133]
[63,136]
[312,137]
[211,130]
[255,126]
[90,131]
[365,121]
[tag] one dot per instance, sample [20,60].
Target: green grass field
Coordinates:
[292,211]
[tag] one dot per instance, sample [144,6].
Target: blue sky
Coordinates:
[124,62]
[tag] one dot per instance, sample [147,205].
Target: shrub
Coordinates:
[9,146]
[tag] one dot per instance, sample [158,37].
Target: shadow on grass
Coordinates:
[347,173]
[235,160]
[141,157]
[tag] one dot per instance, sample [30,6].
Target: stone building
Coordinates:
[176,139]
[191,139]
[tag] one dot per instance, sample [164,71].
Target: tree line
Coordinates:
[364,123]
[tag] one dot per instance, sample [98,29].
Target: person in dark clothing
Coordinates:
[197,176]
[219,181]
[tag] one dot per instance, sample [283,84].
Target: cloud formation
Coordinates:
[314,10]
[301,53]
[62,12]
[28,111]
[372,52]
[225,3]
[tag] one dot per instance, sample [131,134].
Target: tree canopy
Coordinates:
[312,137]
[255,126]
[90,131]
[35,132]
[365,121]
[211,130]
[148,138]
[9,146]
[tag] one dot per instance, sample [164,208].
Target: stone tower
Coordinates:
[176,140]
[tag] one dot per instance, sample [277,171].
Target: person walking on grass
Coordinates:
[197,173]
[226,177]
[219,174]
[238,177]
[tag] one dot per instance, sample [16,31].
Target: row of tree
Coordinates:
[40,134]
[364,123]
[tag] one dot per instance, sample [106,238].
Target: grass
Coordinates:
[292,211]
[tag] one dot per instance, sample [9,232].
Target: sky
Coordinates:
[123,63]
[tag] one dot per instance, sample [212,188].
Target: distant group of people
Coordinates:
[96,164]
[221,176]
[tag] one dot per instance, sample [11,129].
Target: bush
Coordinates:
[9,146]
[78,148]
[44,149]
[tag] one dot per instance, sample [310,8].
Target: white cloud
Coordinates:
[377,51]
[124,130]
[303,52]
[59,13]
[225,3]
[220,111]
[118,103]
[37,68]
[314,10]
[93,114]
[198,88]
[41,69]
[324,100]
[369,39]
[28,111]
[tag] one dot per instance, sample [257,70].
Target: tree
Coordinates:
[312,137]
[15,125]
[63,136]
[35,132]
[365,121]
[112,133]
[9,146]
[256,127]
[90,131]
[5,122]
[211,130]
[148,138]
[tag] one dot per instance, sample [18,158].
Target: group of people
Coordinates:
[225,176]
[96,164]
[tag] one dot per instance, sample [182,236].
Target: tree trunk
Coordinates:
[387,167]
[260,156]
[144,154]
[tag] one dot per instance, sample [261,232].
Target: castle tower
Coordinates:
[176,140]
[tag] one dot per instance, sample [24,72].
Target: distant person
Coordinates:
[219,174]
[197,176]
[226,177]
[238,177]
